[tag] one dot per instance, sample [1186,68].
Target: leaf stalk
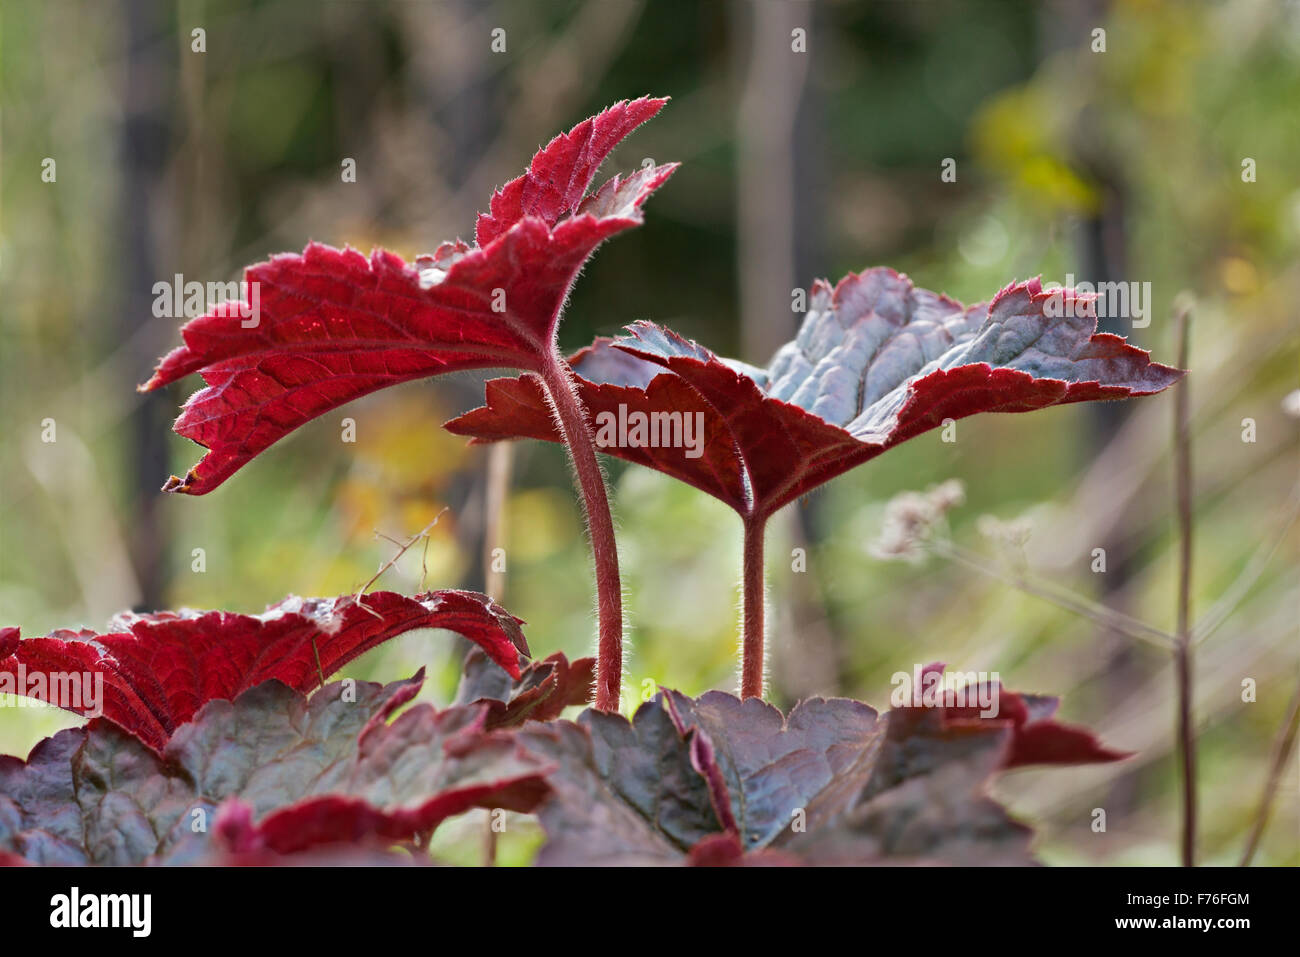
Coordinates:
[557,378]
[753,598]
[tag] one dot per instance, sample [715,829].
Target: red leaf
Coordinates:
[331,326]
[517,409]
[158,670]
[876,362]
[9,638]
[238,842]
[1035,737]
[560,173]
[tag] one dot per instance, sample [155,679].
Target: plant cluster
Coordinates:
[216,738]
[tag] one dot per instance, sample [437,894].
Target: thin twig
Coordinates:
[1062,598]
[490,843]
[319,670]
[402,549]
[1183,646]
[1283,744]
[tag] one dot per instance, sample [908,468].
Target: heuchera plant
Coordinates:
[876,362]
[229,717]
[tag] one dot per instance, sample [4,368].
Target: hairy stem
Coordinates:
[572,419]
[752,599]
[1283,744]
[1183,647]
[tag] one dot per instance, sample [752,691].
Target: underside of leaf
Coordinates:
[877,361]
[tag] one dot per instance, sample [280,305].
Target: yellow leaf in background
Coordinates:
[1238,276]
[360,505]
[401,434]
[1158,69]
[1006,132]
[1050,180]
[541,522]
[402,463]
[1014,137]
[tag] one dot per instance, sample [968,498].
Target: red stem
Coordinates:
[572,420]
[752,598]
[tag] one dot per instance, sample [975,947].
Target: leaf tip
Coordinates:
[182,486]
[650,105]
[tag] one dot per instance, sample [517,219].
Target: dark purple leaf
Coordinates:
[544,690]
[720,781]
[312,774]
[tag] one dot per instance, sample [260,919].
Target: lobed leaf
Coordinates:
[876,362]
[586,819]
[330,326]
[1036,737]
[560,173]
[268,773]
[541,693]
[772,764]
[718,781]
[158,670]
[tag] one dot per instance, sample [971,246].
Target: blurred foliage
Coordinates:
[175,162]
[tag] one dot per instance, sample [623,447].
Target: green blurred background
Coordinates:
[1117,165]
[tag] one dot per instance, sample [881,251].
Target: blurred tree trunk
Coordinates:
[469,122]
[780,183]
[144,143]
[766,170]
[1102,256]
